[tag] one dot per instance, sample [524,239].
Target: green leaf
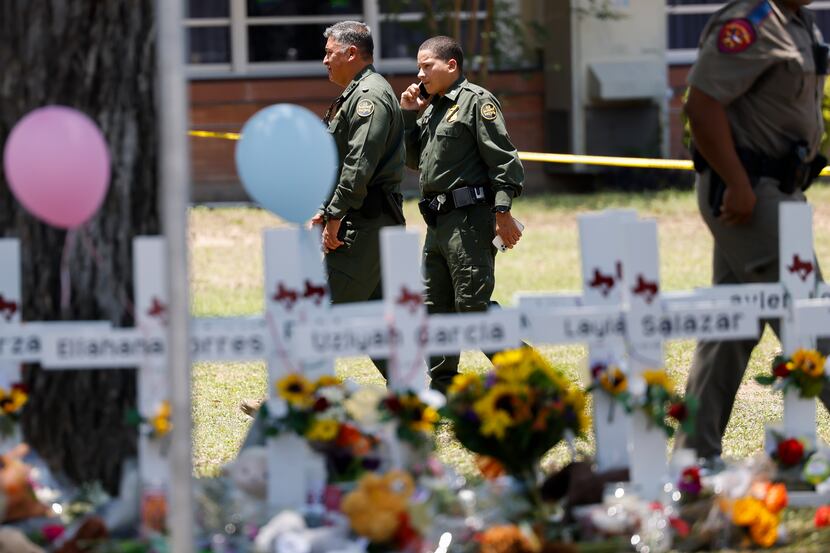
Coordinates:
[765,379]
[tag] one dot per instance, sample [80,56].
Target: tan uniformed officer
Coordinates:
[470,172]
[755,112]
[367,126]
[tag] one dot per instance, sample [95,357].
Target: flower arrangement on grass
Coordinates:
[803,372]
[652,392]
[517,413]
[314,411]
[11,406]
[415,418]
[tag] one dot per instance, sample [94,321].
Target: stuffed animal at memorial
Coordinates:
[21,503]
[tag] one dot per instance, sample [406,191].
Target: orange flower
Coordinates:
[505,539]
[776,498]
[746,511]
[764,531]
[347,435]
[489,467]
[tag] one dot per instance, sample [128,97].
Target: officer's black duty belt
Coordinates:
[460,197]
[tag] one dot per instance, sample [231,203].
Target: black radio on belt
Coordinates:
[456,198]
[820,52]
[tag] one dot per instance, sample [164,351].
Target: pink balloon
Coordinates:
[58,165]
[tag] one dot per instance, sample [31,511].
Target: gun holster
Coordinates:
[430,216]
[798,172]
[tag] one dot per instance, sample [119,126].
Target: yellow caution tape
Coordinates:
[609,161]
[210,134]
[648,163]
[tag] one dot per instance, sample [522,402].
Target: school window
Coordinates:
[229,38]
[687,18]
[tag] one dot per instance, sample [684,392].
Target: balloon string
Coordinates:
[65,273]
[121,295]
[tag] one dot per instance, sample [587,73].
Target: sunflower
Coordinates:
[296,390]
[658,377]
[12,402]
[514,365]
[500,407]
[810,362]
[161,420]
[323,430]
[463,382]
[613,380]
[425,419]
[495,424]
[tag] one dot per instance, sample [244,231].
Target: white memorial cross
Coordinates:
[84,345]
[618,247]
[404,333]
[21,342]
[799,327]
[602,330]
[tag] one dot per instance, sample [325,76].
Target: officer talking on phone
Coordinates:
[470,173]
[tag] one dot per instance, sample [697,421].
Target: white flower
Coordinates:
[362,405]
[433,398]
[637,387]
[333,394]
[277,407]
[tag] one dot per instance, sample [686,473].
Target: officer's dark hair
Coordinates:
[445,49]
[353,33]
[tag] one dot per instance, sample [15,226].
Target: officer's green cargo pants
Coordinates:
[354,268]
[742,254]
[459,272]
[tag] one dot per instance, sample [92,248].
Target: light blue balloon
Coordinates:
[287,161]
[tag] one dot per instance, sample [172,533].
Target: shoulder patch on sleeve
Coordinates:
[365,108]
[489,111]
[736,35]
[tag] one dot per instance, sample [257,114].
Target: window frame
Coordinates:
[238,23]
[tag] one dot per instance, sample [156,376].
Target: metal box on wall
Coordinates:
[606,84]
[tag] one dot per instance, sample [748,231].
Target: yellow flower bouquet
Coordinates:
[315,410]
[517,413]
[652,392]
[804,371]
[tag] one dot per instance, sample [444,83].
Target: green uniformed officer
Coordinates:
[470,173]
[367,126]
[755,112]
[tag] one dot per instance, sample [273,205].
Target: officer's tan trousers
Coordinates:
[742,254]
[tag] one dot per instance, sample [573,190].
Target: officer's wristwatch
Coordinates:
[501,209]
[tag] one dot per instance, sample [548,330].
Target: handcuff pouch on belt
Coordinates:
[456,198]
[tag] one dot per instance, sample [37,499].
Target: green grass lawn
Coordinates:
[227,269]
[227,265]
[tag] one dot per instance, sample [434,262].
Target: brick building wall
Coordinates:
[225,105]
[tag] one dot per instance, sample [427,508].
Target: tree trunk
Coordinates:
[98,57]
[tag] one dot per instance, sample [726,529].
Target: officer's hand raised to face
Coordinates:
[410,99]
[506,228]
